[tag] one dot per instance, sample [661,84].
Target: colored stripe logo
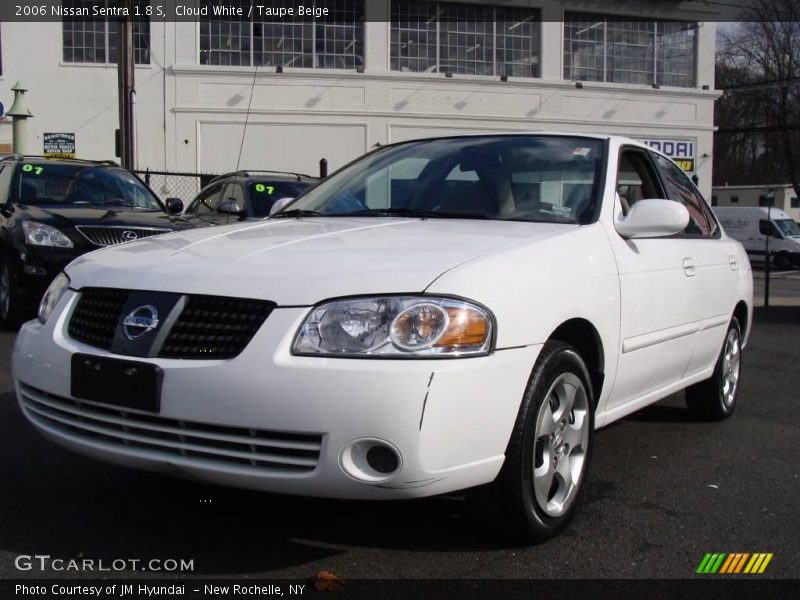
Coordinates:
[734,562]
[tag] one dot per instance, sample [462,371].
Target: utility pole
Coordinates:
[127,93]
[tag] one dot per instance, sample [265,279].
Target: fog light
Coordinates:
[382,459]
[370,460]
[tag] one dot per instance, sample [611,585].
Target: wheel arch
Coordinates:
[584,337]
[740,312]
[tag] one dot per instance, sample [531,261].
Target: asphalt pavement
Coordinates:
[663,491]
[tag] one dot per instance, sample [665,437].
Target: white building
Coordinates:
[751,195]
[387,70]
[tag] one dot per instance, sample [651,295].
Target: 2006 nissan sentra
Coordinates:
[439,315]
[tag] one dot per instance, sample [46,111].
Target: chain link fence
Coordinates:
[171,184]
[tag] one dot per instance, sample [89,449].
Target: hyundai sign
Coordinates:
[680,150]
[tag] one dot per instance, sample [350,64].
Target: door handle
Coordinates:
[734,262]
[688,267]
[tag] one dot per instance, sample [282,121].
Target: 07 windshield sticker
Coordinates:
[36,170]
[268,189]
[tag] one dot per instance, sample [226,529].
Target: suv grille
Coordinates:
[208,327]
[95,317]
[214,327]
[111,236]
[196,443]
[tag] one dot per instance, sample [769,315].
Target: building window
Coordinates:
[335,42]
[628,50]
[430,37]
[795,203]
[734,199]
[94,39]
[714,201]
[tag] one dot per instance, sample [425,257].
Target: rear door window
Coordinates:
[681,189]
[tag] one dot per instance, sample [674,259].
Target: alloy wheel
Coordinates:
[731,361]
[560,448]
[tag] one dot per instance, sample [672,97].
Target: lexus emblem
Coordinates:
[129,235]
[140,322]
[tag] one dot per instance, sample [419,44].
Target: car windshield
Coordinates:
[788,227]
[82,185]
[265,193]
[513,178]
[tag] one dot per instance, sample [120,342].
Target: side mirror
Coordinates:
[174,206]
[280,204]
[229,206]
[653,218]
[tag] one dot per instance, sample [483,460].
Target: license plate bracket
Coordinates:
[125,383]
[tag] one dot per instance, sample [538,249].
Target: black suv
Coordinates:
[245,195]
[53,210]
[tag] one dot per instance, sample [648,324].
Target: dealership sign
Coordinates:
[59,145]
[681,151]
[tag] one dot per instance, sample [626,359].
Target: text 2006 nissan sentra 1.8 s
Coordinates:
[439,315]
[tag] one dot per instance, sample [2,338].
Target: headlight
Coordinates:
[397,326]
[52,296]
[39,234]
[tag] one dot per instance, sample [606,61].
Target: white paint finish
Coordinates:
[365,250]
[280,93]
[450,419]
[585,106]
[450,102]
[282,146]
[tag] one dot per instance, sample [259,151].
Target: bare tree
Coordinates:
[758,64]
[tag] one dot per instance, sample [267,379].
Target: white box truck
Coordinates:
[750,226]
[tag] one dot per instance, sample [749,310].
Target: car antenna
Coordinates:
[247,117]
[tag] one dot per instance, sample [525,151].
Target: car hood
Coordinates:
[68,216]
[303,261]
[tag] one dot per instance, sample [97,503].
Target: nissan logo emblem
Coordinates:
[139,322]
[129,236]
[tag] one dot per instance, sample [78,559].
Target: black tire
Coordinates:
[783,261]
[715,398]
[10,310]
[510,502]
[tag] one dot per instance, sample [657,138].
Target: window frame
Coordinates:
[108,23]
[704,207]
[655,174]
[440,18]
[606,17]
[318,58]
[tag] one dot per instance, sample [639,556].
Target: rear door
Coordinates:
[716,266]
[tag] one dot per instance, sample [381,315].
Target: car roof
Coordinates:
[264,175]
[37,158]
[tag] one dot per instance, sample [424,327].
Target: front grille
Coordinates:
[111,236]
[95,317]
[203,443]
[214,327]
[208,327]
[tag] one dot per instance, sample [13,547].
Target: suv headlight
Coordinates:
[39,234]
[51,297]
[396,326]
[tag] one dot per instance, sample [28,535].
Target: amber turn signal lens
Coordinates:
[467,327]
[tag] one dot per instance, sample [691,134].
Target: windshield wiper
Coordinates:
[414,213]
[295,214]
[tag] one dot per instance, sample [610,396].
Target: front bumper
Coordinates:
[450,420]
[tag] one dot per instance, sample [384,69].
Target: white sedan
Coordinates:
[439,315]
